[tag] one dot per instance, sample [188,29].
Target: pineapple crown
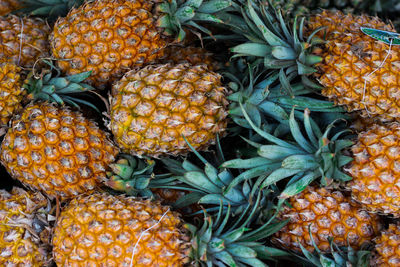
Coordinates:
[269,40]
[135,176]
[226,240]
[310,157]
[211,185]
[337,257]
[178,14]
[264,97]
[62,90]
[50,9]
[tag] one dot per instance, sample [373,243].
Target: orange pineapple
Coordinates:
[155,109]
[387,246]
[111,37]
[325,213]
[351,70]
[110,227]
[33,45]
[375,169]
[56,150]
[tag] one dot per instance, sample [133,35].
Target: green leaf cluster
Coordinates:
[337,257]
[135,176]
[55,88]
[264,98]
[312,155]
[176,15]
[268,39]
[226,240]
[50,9]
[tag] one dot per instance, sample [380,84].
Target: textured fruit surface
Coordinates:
[107,38]
[154,109]
[6,6]
[376,169]
[11,92]
[387,246]
[20,244]
[104,230]
[34,43]
[325,214]
[56,150]
[358,71]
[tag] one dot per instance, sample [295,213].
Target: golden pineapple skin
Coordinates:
[349,58]
[387,246]
[375,169]
[6,6]
[329,214]
[11,91]
[57,151]
[19,246]
[108,38]
[34,44]
[102,230]
[153,109]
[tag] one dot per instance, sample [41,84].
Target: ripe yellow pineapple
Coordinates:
[23,228]
[34,43]
[11,91]
[154,109]
[387,246]
[103,230]
[375,169]
[325,213]
[111,37]
[350,58]
[106,230]
[6,6]
[55,150]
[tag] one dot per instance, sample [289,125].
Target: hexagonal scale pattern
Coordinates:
[103,230]
[325,214]
[57,151]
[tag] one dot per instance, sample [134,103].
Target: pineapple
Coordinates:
[387,247]
[6,6]
[24,229]
[347,80]
[111,37]
[375,169]
[57,151]
[105,230]
[11,91]
[158,109]
[325,213]
[33,45]
[347,63]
